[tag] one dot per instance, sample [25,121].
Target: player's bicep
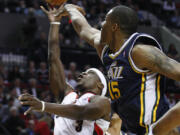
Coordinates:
[153,59]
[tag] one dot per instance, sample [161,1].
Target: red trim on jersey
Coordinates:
[89,99]
[98,130]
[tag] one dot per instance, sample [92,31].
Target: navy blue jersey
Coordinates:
[137,95]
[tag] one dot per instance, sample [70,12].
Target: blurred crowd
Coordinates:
[165,10]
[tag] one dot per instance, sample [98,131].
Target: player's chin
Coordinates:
[79,83]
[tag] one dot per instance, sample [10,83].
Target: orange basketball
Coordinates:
[55,2]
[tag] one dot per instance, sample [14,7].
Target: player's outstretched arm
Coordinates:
[168,122]
[99,107]
[151,58]
[82,27]
[56,71]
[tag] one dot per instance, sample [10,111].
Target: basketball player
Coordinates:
[79,110]
[135,64]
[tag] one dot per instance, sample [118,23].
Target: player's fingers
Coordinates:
[61,7]
[28,111]
[50,7]
[43,9]
[26,97]
[59,10]
[29,103]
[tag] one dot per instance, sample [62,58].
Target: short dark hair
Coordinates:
[126,18]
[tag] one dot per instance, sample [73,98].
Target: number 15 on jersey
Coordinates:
[114,90]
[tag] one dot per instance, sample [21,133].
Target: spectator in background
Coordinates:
[169,8]
[42,73]
[29,30]
[73,70]
[71,80]
[2,84]
[31,71]
[3,73]
[37,11]
[175,20]
[4,110]
[39,48]
[140,15]
[30,128]
[3,96]
[33,87]
[42,128]
[15,73]
[172,52]
[14,123]
[157,7]
[17,87]
[21,8]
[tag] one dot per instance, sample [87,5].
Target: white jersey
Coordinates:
[65,126]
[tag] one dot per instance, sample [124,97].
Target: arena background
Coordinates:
[23,53]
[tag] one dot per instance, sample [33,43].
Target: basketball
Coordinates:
[55,2]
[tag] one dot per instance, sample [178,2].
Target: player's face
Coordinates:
[106,33]
[87,81]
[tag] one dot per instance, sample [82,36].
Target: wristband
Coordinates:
[43,106]
[57,23]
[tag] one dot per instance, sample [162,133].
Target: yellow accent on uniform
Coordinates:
[109,86]
[158,98]
[142,100]
[147,130]
[133,66]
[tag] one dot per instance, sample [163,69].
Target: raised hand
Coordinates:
[54,14]
[75,6]
[32,102]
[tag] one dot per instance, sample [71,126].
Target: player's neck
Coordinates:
[93,91]
[118,42]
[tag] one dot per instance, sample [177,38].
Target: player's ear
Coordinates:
[115,27]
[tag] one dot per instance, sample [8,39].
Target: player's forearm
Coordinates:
[74,112]
[78,20]
[53,43]
[56,71]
